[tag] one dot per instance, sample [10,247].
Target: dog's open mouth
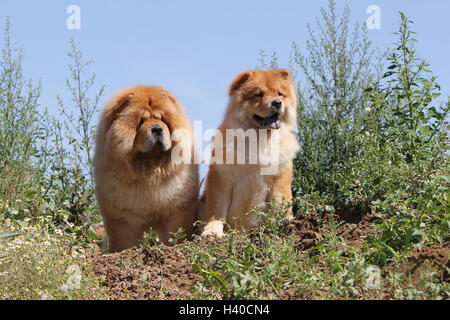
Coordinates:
[270,122]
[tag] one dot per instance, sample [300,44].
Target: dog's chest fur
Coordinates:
[149,198]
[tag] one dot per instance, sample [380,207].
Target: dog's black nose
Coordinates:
[157,130]
[277,103]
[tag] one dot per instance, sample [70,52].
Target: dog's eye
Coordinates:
[167,123]
[259,94]
[140,123]
[280,94]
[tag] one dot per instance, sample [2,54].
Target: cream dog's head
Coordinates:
[265,98]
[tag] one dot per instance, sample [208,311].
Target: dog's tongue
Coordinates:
[275,125]
[272,122]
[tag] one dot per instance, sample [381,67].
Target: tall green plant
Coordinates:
[405,122]
[79,115]
[19,119]
[405,106]
[45,160]
[337,68]
[402,168]
[74,139]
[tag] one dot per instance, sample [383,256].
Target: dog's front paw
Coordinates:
[213,228]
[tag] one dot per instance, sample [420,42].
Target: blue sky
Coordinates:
[195,48]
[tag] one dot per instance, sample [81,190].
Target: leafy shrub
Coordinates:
[337,69]
[373,142]
[402,168]
[19,120]
[45,168]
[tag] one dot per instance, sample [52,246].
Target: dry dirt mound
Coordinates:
[146,273]
[306,231]
[162,272]
[165,272]
[436,255]
[353,228]
[356,230]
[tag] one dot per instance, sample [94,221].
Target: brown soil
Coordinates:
[163,272]
[434,255]
[146,273]
[357,230]
[353,228]
[306,231]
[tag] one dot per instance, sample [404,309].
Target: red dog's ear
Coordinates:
[174,100]
[116,104]
[240,79]
[171,97]
[121,104]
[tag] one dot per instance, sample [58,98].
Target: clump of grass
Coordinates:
[38,264]
[268,264]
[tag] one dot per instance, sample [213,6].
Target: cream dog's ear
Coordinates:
[240,79]
[285,74]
